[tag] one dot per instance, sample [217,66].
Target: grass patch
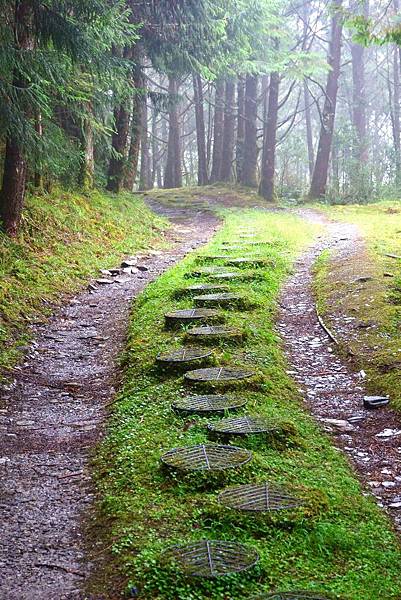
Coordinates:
[342,545]
[64,239]
[374,306]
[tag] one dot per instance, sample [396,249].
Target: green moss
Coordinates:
[64,239]
[342,545]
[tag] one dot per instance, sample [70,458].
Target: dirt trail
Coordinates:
[371,439]
[51,417]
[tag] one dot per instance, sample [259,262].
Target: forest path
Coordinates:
[53,417]
[331,389]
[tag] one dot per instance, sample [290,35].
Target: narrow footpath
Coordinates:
[52,416]
[332,391]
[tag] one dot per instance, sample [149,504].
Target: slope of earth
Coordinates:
[64,239]
[52,412]
[339,543]
[359,293]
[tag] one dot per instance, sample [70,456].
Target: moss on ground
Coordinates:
[374,305]
[64,239]
[343,546]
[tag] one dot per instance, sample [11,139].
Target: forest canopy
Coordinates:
[291,97]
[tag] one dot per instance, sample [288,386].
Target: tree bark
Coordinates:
[228,132]
[361,149]
[266,187]
[218,130]
[309,130]
[145,178]
[12,193]
[200,129]
[239,156]
[173,172]
[249,176]
[320,171]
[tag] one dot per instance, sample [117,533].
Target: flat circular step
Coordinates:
[211,258]
[183,356]
[245,425]
[263,497]
[208,404]
[206,457]
[233,247]
[226,276]
[246,262]
[219,375]
[225,299]
[207,287]
[215,270]
[213,333]
[212,558]
[191,315]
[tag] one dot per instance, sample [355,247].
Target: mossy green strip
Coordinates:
[343,546]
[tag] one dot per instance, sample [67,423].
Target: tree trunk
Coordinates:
[218,131]
[200,129]
[173,172]
[12,193]
[119,141]
[266,187]
[361,149]
[320,172]
[250,147]
[309,130]
[228,132]
[145,178]
[239,157]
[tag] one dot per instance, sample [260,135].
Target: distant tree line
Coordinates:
[275,95]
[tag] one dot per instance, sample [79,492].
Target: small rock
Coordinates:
[142,268]
[363,279]
[104,281]
[128,263]
[388,274]
[388,433]
[395,505]
[388,484]
[339,424]
[375,401]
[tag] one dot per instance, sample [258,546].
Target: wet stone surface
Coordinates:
[51,416]
[332,391]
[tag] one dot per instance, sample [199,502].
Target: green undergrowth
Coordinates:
[373,306]
[339,543]
[64,238]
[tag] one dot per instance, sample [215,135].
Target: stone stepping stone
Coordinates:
[206,271]
[226,299]
[246,236]
[247,262]
[207,287]
[212,558]
[291,596]
[246,425]
[207,404]
[202,259]
[227,276]
[183,357]
[214,333]
[192,315]
[261,243]
[206,457]
[262,497]
[234,247]
[219,375]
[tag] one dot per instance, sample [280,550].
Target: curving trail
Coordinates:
[51,418]
[330,388]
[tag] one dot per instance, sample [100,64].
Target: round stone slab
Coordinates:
[263,497]
[214,333]
[207,287]
[218,375]
[206,457]
[191,315]
[246,425]
[233,247]
[183,356]
[224,276]
[212,558]
[217,299]
[291,596]
[246,262]
[206,271]
[207,258]
[207,404]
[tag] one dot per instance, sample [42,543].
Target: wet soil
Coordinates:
[331,387]
[51,417]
